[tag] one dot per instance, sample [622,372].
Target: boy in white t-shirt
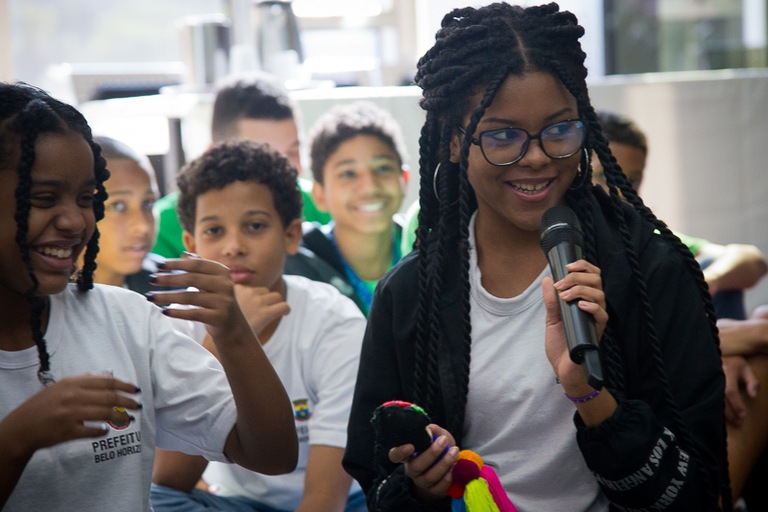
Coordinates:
[239,204]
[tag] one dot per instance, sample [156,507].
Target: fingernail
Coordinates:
[138,390]
[152,278]
[166,312]
[442,441]
[160,264]
[189,254]
[150,297]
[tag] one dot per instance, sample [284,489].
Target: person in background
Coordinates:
[93,376]
[357,159]
[468,325]
[128,227]
[253,106]
[728,271]
[410,224]
[240,205]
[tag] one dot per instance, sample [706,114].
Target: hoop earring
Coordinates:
[581,176]
[73,273]
[434,180]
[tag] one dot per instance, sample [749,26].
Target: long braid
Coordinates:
[422,232]
[436,258]
[37,305]
[85,275]
[26,113]
[618,181]
[471,48]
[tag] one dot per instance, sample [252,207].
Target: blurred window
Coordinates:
[48,33]
[680,35]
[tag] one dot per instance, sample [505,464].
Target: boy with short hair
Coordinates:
[239,204]
[252,106]
[357,161]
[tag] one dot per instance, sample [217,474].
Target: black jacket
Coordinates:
[316,239]
[618,448]
[308,264]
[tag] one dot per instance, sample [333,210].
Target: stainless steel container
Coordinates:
[205,42]
[277,36]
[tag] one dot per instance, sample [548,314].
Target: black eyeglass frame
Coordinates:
[527,143]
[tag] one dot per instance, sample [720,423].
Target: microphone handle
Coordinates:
[580,333]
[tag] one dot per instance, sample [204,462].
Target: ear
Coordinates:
[456,147]
[293,237]
[188,239]
[318,196]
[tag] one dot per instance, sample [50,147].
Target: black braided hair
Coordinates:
[26,112]
[474,52]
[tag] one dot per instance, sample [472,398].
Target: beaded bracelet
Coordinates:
[585,398]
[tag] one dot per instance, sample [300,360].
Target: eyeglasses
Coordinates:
[506,146]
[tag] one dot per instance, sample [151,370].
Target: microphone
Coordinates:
[562,241]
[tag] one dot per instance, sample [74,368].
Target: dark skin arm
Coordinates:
[263,438]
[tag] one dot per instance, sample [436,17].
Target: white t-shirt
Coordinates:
[187,402]
[517,417]
[315,350]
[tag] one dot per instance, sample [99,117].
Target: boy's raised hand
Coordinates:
[213,295]
[263,438]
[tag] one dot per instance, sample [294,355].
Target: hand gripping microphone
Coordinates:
[562,241]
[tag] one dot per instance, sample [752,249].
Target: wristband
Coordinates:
[585,398]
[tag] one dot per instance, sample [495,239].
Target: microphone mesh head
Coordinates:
[560,224]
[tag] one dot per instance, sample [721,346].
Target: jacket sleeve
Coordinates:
[383,375]
[653,454]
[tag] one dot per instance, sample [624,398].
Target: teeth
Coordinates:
[530,187]
[56,252]
[372,207]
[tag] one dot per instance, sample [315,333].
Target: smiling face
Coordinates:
[61,218]
[239,226]
[362,187]
[517,195]
[128,228]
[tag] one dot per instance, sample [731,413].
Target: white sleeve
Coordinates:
[335,359]
[194,407]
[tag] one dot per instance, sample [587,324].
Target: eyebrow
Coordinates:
[512,122]
[348,161]
[113,193]
[148,192]
[249,213]
[59,183]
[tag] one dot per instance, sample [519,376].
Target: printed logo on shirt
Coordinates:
[123,423]
[301,409]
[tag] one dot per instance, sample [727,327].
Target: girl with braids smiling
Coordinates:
[93,377]
[480,345]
